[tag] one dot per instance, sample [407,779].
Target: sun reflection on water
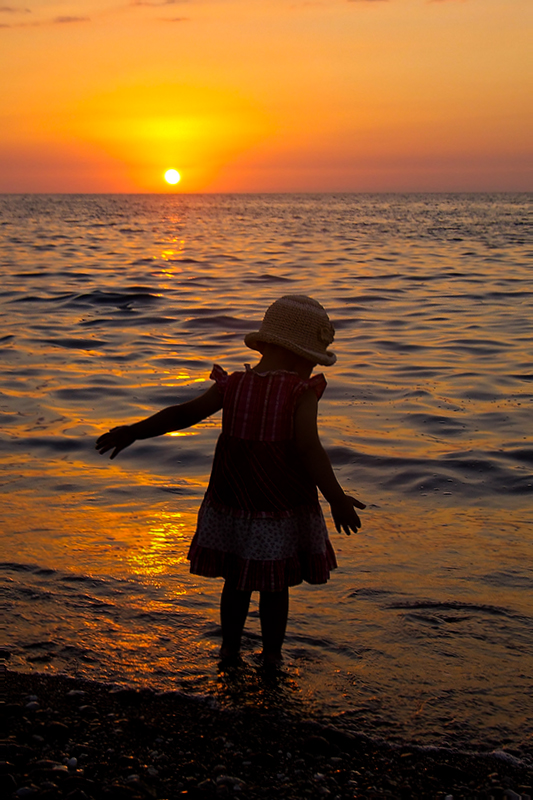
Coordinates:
[162,547]
[182,378]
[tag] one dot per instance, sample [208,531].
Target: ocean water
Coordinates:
[114,306]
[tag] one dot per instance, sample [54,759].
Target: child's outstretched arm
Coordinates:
[318,465]
[173,418]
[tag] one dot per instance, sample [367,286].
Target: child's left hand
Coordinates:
[344,514]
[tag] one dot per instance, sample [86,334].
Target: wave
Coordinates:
[57,444]
[221,322]
[266,278]
[467,473]
[442,608]
[73,343]
[122,299]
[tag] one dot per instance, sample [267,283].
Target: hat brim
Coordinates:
[252,340]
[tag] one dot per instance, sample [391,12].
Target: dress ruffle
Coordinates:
[220,376]
[262,576]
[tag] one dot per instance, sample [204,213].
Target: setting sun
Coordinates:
[172,176]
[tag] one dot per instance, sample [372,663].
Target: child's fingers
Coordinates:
[117,449]
[102,447]
[104,440]
[357,502]
[348,525]
[115,439]
[104,444]
[354,524]
[354,519]
[345,516]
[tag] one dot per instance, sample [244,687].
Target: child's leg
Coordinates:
[273,611]
[234,606]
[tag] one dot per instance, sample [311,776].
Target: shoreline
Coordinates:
[68,737]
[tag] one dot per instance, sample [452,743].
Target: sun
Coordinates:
[172,176]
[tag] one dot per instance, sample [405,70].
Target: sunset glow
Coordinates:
[395,95]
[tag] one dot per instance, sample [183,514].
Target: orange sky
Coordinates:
[266,95]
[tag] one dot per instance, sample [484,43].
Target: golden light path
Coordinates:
[172,176]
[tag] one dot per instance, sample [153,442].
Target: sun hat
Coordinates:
[299,324]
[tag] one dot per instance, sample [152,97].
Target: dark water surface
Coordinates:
[114,306]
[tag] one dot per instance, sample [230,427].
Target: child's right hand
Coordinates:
[344,514]
[116,439]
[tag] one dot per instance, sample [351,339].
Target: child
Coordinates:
[260,525]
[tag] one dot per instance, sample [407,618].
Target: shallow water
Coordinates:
[114,306]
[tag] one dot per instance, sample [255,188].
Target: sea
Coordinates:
[114,306]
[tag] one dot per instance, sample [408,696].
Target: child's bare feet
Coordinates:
[272,662]
[229,658]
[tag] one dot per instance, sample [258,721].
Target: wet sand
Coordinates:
[69,738]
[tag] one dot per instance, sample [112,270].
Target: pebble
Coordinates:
[317,745]
[88,711]
[8,783]
[56,731]
[26,791]
[229,780]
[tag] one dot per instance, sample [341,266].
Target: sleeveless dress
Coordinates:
[260,523]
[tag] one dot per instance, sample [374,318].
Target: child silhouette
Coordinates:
[260,525]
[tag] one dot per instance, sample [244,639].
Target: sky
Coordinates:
[266,95]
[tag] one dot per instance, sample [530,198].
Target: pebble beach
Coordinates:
[68,738]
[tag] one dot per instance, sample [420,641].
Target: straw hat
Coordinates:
[299,324]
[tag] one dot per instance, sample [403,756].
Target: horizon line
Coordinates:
[305,192]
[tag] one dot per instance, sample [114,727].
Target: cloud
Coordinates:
[68,20]
[44,22]
[14,10]
[156,3]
